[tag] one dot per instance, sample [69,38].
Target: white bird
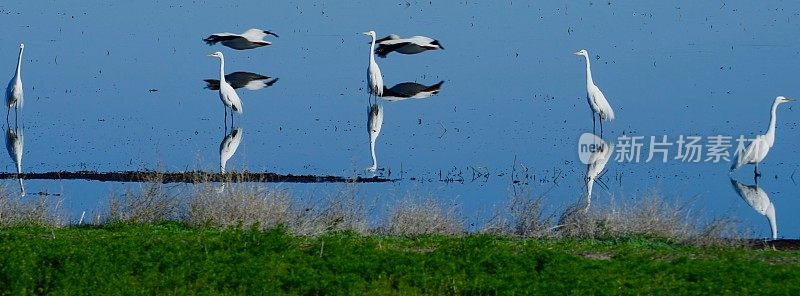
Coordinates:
[251,38]
[374,123]
[14,90]
[14,146]
[597,101]
[226,93]
[410,90]
[247,80]
[597,162]
[758,148]
[228,147]
[411,45]
[758,199]
[374,77]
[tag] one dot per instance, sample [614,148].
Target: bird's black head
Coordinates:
[436,42]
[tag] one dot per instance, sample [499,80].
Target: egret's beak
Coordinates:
[210,54]
[790,100]
[577,53]
[366,33]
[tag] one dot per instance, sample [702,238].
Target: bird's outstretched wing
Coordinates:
[214,39]
[384,49]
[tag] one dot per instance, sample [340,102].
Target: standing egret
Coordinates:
[374,77]
[14,89]
[14,146]
[758,199]
[251,38]
[597,162]
[226,93]
[411,45]
[374,123]
[758,148]
[597,101]
[228,147]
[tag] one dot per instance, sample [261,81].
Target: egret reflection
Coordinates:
[410,90]
[374,123]
[247,80]
[597,162]
[14,144]
[228,147]
[758,199]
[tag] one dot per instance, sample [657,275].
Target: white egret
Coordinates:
[14,89]
[247,80]
[228,147]
[14,146]
[597,101]
[597,162]
[758,199]
[374,123]
[758,148]
[374,77]
[410,90]
[251,38]
[226,93]
[411,45]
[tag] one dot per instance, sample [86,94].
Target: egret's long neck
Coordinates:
[372,149]
[19,64]
[773,118]
[221,70]
[588,71]
[372,51]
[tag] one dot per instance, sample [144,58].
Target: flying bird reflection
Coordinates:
[247,80]
[374,123]
[228,147]
[410,90]
[758,199]
[14,144]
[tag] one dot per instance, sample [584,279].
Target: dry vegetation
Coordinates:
[257,205]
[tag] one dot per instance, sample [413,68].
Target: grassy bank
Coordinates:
[172,257]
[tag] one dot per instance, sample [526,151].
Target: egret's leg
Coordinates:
[601,126]
[756,172]
[594,124]
[225,120]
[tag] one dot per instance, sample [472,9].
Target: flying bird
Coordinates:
[374,77]
[374,123]
[251,38]
[597,101]
[14,90]
[759,147]
[410,90]
[247,80]
[411,45]
[226,93]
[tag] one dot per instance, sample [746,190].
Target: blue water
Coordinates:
[119,86]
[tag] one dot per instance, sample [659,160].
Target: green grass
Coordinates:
[174,258]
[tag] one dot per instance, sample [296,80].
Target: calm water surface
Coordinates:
[119,86]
